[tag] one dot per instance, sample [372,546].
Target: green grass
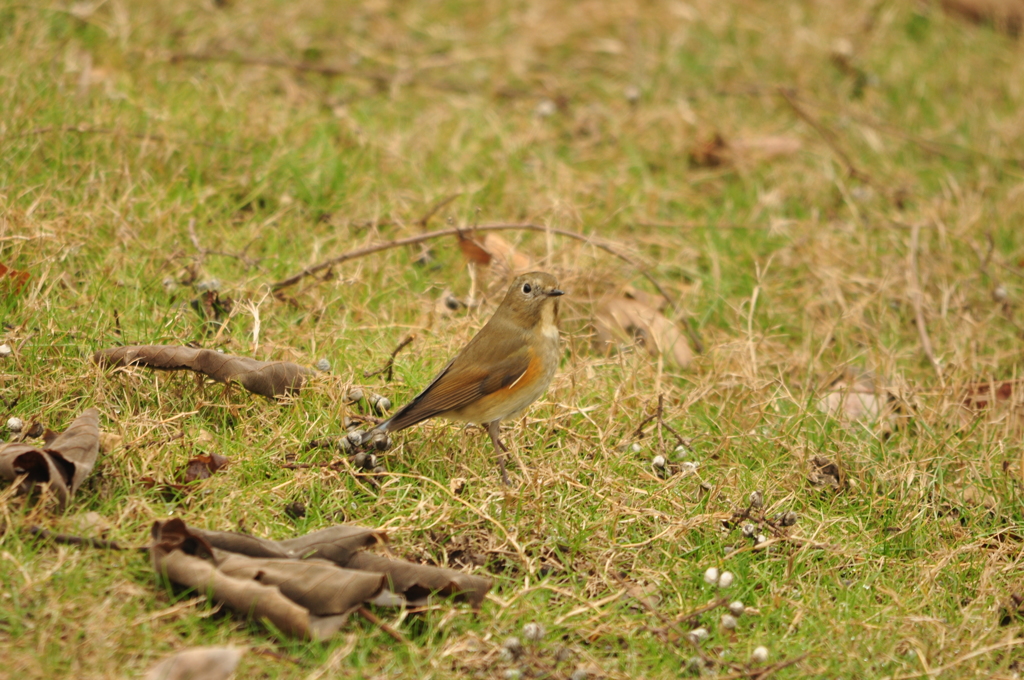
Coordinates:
[789,268]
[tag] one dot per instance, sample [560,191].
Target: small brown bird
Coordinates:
[503,369]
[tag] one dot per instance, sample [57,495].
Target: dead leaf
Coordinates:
[825,474]
[198,663]
[343,545]
[203,465]
[854,397]
[717,151]
[1005,15]
[997,401]
[12,280]
[306,586]
[64,462]
[472,249]
[629,320]
[268,378]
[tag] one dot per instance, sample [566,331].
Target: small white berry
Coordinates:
[711,576]
[756,499]
[533,631]
[698,635]
[690,466]
[513,674]
[15,424]
[729,622]
[545,108]
[5,350]
[1000,294]
[737,608]
[725,580]
[760,654]
[355,395]
[513,645]
[748,529]
[659,462]
[323,365]
[356,437]
[632,93]
[636,447]
[681,450]
[761,538]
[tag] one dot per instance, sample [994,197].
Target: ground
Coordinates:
[822,190]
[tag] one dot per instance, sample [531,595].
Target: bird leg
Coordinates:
[494,431]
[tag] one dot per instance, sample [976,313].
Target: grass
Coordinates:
[789,267]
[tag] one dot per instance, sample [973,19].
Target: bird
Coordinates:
[503,369]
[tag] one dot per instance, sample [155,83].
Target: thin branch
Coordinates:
[67,539]
[435,208]
[420,238]
[375,620]
[917,299]
[826,135]
[380,78]
[389,366]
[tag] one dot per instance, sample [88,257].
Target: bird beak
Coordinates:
[554,292]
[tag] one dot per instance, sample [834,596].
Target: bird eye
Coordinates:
[527,288]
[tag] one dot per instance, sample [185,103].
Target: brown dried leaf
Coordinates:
[1005,15]
[505,253]
[268,378]
[473,250]
[263,589]
[198,663]
[202,466]
[12,280]
[65,461]
[854,397]
[624,320]
[417,581]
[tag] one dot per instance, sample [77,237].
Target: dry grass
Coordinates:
[581,116]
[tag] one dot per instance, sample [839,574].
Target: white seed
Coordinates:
[690,466]
[355,395]
[729,622]
[323,365]
[748,529]
[760,654]
[534,631]
[681,450]
[5,350]
[632,93]
[636,448]
[513,674]
[711,576]
[384,404]
[356,437]
[1000,294]
[737,608]
[725,580]
[698,635]
[761,538]
[513,645]
[756,499]
[545,108]
[15,424]
[659,462]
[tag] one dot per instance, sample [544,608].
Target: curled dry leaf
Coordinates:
[64,461]
[629,320]
[203,465]
[268,378]
[717,151]
[306,586]
[263,588]
[198,663]
[999,402]
[494,251]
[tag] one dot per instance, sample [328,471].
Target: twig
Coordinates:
[659,414]
[380,78]
[763,671]
[420,238]
[66,539]
[435,209]
[375,620]
[87,130]
[916,298]
[389,366]
[826,135]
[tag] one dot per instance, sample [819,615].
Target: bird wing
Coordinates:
[462,382]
